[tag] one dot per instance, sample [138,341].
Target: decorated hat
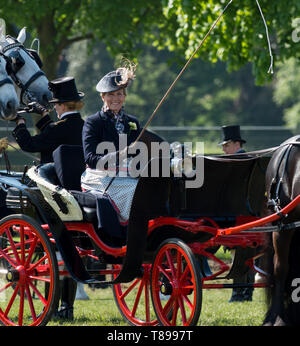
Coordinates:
[64,90]
[112,81]
[231,133]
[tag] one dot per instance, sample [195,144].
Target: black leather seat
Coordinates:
[69,166]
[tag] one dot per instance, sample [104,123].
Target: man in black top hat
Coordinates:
[67,130]
[232,142]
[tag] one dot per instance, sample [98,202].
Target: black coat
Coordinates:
[99,128]
[65,131]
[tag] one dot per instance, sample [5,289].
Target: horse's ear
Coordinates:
[2,30]
[22,35]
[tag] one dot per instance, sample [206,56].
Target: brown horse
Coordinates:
[282,186]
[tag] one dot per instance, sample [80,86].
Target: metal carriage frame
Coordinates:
[168,268]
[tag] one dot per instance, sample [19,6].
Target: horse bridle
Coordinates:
[15,63]
[6,80]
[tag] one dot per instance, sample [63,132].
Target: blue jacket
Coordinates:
[99,128]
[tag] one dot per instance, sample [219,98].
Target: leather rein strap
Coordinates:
[22,86]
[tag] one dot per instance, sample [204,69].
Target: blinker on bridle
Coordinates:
[6,80]
[15,62]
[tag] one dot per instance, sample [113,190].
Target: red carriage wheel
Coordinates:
[29,285]
[133,299]
[176,284]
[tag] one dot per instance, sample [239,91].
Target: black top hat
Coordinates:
[111,82]
[64,90]
[231,133]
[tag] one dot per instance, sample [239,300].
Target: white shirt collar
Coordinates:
[66,113]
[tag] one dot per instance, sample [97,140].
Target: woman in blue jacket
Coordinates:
[111,121]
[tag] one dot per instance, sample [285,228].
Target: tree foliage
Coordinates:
[59,23]
[286,91]
[205,95]
[240,35]
[178,25]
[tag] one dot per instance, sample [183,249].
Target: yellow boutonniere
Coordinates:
[132,126]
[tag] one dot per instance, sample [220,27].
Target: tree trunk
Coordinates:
[51,45]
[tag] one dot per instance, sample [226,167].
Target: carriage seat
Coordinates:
[59,182]
[69,165]
[57,179]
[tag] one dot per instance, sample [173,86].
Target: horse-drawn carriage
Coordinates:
[171,232]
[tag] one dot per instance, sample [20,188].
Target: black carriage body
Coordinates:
[231,188]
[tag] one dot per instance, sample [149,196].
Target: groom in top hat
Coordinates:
[67,130]
[232,142]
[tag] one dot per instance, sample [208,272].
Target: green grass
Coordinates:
[101,310]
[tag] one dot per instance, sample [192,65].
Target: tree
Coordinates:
[286,92]
[240,35]
[178,25]
[59,23]
[206,95]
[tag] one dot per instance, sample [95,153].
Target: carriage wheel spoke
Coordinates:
[129,289]
[185,274]
[30,302]
[167,308]
[147,302]
[39,278]
[179,263]
[31,251]
[36,264]
[11,301]
[174,314]
[164,272]
[137,299]
[38,293]
[182,309]
[6,287]
[12,244]
[21,307]
[9,259]
[170,263]
[22,241]
[190,305]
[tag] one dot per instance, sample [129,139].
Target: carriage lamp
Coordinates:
[182,165]
[181,161]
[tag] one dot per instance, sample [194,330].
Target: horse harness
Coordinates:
[14,62]
[277,181]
